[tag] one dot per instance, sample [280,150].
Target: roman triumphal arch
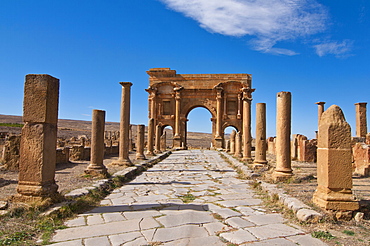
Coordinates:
[172,96]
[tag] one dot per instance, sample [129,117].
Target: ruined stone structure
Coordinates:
[334,170]
[361,120]
[38,140]
[361,159]
[303,149]
[226,96]
[96,166]
[283,168]
[123,159]
[271,145]
[10,154]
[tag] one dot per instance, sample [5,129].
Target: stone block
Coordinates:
[41,96]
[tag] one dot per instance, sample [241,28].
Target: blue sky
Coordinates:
[316,49]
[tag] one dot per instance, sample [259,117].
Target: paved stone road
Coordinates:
[191,198]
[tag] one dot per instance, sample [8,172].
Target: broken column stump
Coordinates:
[96,166]
[334,168]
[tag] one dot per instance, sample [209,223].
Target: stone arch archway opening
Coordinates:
[199,128]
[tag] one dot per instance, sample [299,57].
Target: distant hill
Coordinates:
[74,128]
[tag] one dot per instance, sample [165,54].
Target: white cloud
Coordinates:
[334,48]
[266,21]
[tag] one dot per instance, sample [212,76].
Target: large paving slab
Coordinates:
[191,198]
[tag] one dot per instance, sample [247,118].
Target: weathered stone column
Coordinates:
[131,141]
[39,139]
[283,168]
[232,142]
[150,149]
[163,141]
[177,136]
[247,135]
[238,145]
[361,121]
[123,159]
[227,146]
[158,131]
[334,163]
[320,110]
[219,137]
[140,142]
[261,145]
[96,167]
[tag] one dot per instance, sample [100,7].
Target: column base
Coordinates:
[248,160]
[257,165]
[34,193]
[97,171]
[279,176]
[140,157]
[218,143]
[238,155]
[342,200]
[177,142]
[122,162]
[150,153]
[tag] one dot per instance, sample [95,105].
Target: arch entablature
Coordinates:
[172,96]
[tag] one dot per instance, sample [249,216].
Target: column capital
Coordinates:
[125,84]
[361,103]
[247,93]
[320,103]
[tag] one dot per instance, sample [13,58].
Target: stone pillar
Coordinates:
[163,142]
[227,145]
[260,153]
[334,163]
[130,145]
[158,131]
[247,136]
[320,110]
[232,142]
[361,121]
[283,170]
[177,136]
[150,137]
[219,137]
[238,145]
[38,141]
[294,147]
[123,159]
[96,167]
[140,142]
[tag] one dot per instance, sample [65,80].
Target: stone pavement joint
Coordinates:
[193,198]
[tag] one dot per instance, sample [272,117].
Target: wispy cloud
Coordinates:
[267,22]
[339,50]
